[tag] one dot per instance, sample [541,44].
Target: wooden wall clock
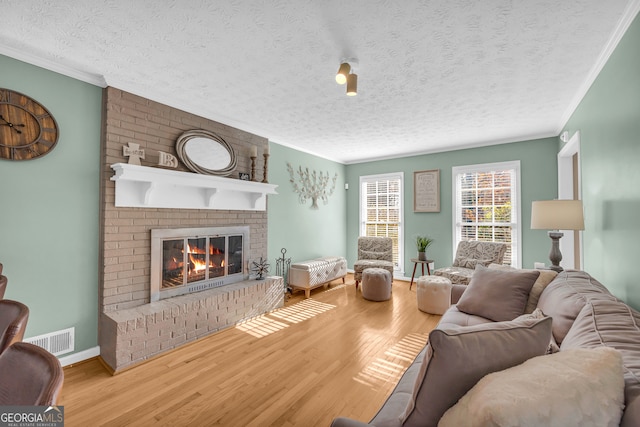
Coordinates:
[27,128]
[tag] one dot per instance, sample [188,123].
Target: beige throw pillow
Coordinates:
[546,276]
[498,295]
[578,387]
[456,359]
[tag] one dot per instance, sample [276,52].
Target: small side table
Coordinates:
[417,261]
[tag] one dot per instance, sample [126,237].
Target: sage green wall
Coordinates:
[608,119]
[305,233]
[49,219]
[49,227]
[538,169]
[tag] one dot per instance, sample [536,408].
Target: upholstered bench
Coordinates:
[308,275]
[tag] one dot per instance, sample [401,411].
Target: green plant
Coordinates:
[423,242]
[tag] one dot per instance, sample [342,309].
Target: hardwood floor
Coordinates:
[334,354]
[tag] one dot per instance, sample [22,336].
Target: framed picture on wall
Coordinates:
[426,191]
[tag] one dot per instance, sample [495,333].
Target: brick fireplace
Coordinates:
[133,328]
[186,260]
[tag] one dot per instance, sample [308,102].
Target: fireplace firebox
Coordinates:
[185,260]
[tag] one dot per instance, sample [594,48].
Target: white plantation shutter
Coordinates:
[381,210]
[487,206]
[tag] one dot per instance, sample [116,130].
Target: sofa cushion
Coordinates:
[362,264]
[459,275]
[498,295]
[453,318]
[456,358]
[546,276]
[566,295]
[578,387]
[612,324]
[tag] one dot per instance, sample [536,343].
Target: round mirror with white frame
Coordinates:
[205,152]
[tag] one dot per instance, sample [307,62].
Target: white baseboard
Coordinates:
[80,356]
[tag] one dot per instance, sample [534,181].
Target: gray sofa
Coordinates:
[578,313]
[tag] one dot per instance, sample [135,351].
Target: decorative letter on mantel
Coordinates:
[312,185]
[133,152]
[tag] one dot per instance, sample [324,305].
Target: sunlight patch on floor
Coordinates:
[264,325]
[301,311]
[335,287]
[261,326]
[379,372]
[391,366]
[408,347]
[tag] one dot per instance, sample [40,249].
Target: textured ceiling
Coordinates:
[432,75]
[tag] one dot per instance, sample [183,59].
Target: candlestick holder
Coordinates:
[266,162]
[253,168]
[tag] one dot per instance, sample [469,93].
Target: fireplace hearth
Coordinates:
[185,260]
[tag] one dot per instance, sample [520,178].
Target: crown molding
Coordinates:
[91,78]
[625,21]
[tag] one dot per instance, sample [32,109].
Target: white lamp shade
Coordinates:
[557,215]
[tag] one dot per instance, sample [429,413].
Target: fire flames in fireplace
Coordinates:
[198,259]
[201,264]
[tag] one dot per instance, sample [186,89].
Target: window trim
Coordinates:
[401,226]
[516,258]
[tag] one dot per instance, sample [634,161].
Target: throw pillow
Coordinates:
[546,276]
[456,358]
[496,294]
[578,387]
[538,314]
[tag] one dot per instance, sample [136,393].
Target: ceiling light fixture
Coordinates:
[352,84]
[347,74]
[343,71]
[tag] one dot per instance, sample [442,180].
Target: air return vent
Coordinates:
[56,343]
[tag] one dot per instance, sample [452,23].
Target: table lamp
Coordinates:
[556,215]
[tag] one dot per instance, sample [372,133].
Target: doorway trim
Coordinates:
[567,179]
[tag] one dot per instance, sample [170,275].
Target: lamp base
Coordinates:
[555,256]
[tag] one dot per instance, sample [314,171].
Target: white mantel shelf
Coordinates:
[147,187]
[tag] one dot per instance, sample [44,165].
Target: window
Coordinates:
[487,206]
[381,210]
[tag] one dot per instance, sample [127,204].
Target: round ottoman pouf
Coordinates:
[434,294]
[376,284]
